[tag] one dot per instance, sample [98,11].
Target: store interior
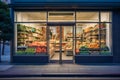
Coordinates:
[86,37]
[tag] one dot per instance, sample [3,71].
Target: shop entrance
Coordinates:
[61,43]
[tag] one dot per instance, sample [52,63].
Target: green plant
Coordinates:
[84,50]
[6,27]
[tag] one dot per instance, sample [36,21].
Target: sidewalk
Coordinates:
[51,70]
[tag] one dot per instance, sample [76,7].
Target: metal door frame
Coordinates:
[60,24]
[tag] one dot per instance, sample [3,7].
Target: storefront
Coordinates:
[55,32]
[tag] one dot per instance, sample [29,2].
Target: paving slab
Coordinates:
[61,70]
[5,67]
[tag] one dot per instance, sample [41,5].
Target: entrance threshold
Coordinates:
[63,61]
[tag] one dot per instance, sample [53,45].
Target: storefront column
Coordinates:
[116,36]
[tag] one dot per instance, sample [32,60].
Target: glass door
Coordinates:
[67,43]
[61,43]
[54,43]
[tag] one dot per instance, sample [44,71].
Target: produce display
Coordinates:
[30,51]
[27,51]
[32,38]
[84,49]
[91,38]
[41,50]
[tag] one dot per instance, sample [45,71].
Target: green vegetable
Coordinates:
[30,51]
[84,50]
[20,53]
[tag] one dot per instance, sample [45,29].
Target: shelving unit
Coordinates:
[27,35]
[94,36]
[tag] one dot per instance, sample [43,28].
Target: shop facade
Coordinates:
[47,31]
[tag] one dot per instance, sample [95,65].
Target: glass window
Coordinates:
[61,16]
[93,38]
[105,38]
[105,16]
[30,16]
[87,16]
[87,38]
[31,39]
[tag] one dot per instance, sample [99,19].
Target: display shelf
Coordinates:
[89,35]
[28,34]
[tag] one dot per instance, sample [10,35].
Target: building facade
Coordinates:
[78,31]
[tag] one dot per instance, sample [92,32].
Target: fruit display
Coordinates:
[88,29]
[93,45]
[34,38]
[36,44]
[28,34]
[41,50]
[93,36]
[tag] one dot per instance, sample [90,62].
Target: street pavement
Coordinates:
[61,70]
[59,78]
[28,71]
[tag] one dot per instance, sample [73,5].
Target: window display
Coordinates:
[31,39]
[90,36]
[92,39]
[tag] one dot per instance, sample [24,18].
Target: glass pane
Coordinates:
[31,39]
[30,17]
[61,16]
[87,39]
[106,16]
[67,43]
[105,38]
[87,16]
[54,43]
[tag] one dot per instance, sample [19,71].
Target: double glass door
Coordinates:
[61,43]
